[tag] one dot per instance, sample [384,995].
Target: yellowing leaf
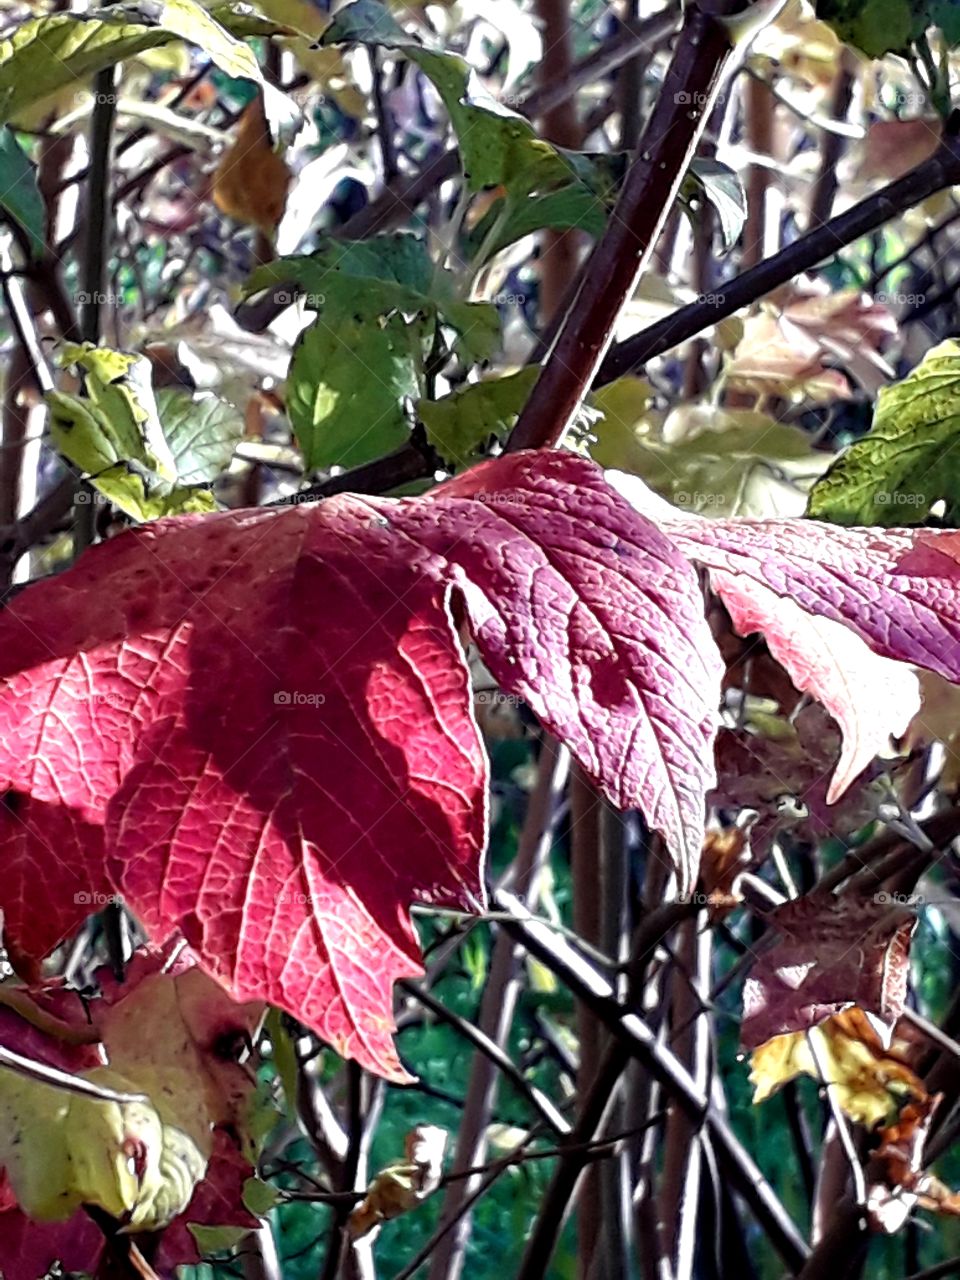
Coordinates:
[869,1080]
[628,419]
[115,436]
[322,64]
[60,51]
[140,1160]
[703,457]
[252,181]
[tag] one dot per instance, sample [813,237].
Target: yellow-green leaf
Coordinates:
[905,463]
[62,50]
[459,423]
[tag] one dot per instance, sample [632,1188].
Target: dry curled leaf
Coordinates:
[792,347]
[896,1179]
[726,855]
[401,1187]
[845,1052]
[252,179]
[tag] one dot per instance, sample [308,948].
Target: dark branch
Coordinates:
[940,171]
[610,274]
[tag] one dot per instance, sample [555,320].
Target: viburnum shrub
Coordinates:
[433,713]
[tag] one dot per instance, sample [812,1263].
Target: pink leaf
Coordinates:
[871,698]
[268,714]
[818,594]
[898,589]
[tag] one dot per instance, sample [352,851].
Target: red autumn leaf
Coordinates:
[833,952]
[29,1249]
[257,725]
[799,581]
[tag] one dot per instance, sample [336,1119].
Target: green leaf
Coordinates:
[498,147]
[945,14]
[113,434]
[260,1197]
[20,197]
[346,386]
[284,1056]
[368,22]
[459,423]
[60,50]
[879,27]
[212,1241]
[387,273]
[905,463]
[718,184]
[202,432]
[573,207]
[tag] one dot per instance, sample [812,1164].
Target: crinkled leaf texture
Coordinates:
[841,609]
[257,725]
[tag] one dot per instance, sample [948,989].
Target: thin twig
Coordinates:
[544,1107]
[45,1074]
[941,170]
[497,1009]
[588,984]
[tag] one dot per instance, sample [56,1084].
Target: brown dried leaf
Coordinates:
[726,855]
[833,952]
[401,1187]
[894,147]
[252,180]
